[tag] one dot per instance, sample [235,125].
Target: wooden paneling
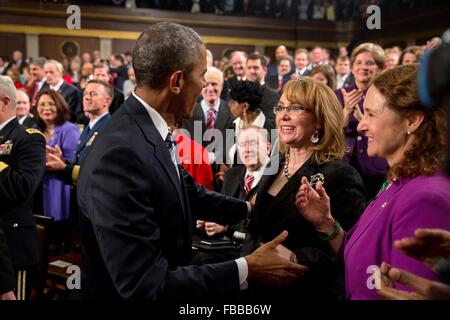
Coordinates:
[11,42]
[219,49]
[50,46]
[122,45]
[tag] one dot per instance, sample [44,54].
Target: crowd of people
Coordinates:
[299,10]
[314,169]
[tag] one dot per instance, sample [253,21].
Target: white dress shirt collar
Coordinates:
[159,122]
[57,86]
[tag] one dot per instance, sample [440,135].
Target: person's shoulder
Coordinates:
[337,170]
[428,186]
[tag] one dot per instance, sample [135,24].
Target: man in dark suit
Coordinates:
[7,277]
[237,60]
[102,72]
[135,201]
[37,72]
[256,70]
[54,78]
[211,113]
[278,81]
[23,110]
[22,166]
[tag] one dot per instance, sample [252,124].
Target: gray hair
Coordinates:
[40,62]
[8,89]
[162,49]
[57,65]
[215,70]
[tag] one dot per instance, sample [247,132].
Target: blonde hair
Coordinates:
[323,103]
[375,50]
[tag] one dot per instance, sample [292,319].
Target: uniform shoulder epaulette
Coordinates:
[34,131]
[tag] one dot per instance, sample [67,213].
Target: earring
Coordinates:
[408,132]
[244,113]
[315,137]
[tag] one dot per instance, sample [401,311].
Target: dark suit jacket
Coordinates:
[136,218]
[118,99]
[45,86]
[7,276]
[21,172]
[272,215]
[73,98]
[29,122]
[268,101]
[87,137]
[223,122]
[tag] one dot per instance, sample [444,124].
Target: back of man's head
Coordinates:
[161,50]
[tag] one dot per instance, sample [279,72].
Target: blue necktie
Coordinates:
[171,146]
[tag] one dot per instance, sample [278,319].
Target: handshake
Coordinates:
[274,264]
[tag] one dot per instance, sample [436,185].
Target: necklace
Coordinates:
[286,166]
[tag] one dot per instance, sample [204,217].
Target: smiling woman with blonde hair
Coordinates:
[310,123]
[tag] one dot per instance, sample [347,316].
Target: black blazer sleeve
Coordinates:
[213,206]
[126,224]
[7,277]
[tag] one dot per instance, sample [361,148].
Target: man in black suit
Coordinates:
[54,77]
[103,73]
[212,113]
[278,81]
[37,72]
[135,201]
[237,60]
[22,166]
[23,110]
[256,70]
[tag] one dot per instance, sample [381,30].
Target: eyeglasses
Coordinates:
[293,108]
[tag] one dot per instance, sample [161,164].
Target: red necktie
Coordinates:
[248,183]
[280,85]
[211,117]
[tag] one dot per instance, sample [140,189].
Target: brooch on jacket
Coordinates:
[316,178]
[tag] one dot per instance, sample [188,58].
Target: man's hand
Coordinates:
[266,265]
[8,296]
[422,289]
[213,228]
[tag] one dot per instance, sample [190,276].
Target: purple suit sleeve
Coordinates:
[424,209]
[69,141]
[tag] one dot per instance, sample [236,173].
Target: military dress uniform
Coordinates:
[22,166]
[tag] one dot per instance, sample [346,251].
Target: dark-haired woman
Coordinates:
[52,117]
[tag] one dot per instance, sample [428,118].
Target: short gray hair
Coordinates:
[8,89]
[162,49]
[40,62]
[57,65]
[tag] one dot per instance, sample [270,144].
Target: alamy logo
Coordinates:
[74,20]
[74,280]
[374,20]
[374,280]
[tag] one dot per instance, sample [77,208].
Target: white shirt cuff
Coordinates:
[243,273]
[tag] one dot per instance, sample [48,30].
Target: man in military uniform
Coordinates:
[22,166]
[7,278]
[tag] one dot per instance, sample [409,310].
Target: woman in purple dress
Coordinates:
[416,195]
[52,115]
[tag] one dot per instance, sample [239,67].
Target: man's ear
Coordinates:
[176,82]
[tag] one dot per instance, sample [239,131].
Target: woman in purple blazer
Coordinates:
[367,62]
[416,195]
[52,115]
